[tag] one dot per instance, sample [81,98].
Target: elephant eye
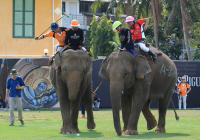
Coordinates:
[126,74]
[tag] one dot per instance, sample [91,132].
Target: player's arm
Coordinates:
[81,39]
[128,35]
[146,22]
[67,38]
[41,37]
[49,34]
[189,89]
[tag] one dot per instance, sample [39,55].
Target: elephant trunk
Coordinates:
[116,89]
[73,85]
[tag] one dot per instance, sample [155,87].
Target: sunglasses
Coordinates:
[182,79]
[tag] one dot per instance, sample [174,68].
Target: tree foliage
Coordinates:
[195,36]
[173,22]
[102,33]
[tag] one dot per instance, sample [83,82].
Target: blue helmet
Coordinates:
[54,26]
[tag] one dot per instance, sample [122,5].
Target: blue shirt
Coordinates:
[11,84]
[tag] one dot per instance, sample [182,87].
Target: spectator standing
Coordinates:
[82,110]
[183,89]
[15,84]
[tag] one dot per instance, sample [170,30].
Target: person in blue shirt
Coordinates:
[15,84]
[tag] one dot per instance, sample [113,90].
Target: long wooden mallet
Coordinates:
[98,86]
[57,11]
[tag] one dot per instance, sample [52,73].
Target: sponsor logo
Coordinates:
[75,36]
[192,81]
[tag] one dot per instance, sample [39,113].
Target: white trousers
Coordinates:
[97,105]
[142,46]
[184,101]
[59,49]
[18,102]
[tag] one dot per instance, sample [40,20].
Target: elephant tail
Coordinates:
[176,116]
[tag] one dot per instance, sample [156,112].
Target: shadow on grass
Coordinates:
[152,135]
[89,134]
[19,126]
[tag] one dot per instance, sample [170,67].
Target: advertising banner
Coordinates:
[39,92]
[191,71]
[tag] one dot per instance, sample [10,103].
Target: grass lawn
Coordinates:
[46,125]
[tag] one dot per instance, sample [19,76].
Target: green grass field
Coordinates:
[45,125]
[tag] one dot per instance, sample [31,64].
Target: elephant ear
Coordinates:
[141,66]
[102,72]
[57,60]
[88,69]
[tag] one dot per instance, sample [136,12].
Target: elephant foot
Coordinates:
[160,130]
[151,125]
[131,132]
[69,130]
[124,129]
[91,125]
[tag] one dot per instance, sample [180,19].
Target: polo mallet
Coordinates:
[98,86]
[176,116]
[57,11]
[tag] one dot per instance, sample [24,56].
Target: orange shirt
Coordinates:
[183,87]
[59,37]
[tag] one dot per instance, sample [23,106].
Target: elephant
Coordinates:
[71,76]
[134,82]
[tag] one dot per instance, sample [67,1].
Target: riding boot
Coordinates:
[51,60]
[153,55]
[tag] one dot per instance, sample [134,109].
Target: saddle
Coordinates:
[155,50]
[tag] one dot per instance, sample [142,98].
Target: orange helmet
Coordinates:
[75,23]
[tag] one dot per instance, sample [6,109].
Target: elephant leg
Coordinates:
[65,107]
[151,121]
[65,111]
[74,113]
[126,109]
[162,109]
[139,98]
[87,101]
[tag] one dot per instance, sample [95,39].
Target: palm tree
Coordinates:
[156,10]
[186,19]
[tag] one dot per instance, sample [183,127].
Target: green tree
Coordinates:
[170,43]
[102,33]
[188,12]
[195,39]
[137,8]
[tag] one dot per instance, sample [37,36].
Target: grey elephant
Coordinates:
[134,82]
[72,81]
